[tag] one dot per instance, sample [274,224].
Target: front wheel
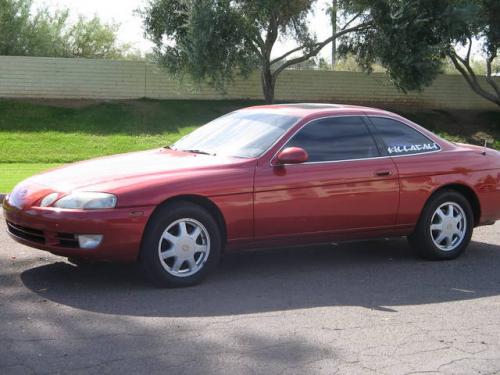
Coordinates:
[181,245]
[445,227]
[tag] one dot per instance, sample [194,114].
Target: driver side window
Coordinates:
[336,139]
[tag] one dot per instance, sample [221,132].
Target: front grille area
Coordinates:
[29,234]
[67,240]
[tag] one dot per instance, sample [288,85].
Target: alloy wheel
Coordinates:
[184,247]
[448,226]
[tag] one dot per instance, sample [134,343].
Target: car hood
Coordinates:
[114,171]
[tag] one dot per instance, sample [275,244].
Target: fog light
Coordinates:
[89,241]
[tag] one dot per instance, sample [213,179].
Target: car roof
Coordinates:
[307,109]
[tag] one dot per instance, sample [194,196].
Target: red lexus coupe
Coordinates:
[261,177]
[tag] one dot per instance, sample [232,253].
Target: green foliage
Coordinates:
[404,39]
[211,40]
[348,63]
[93,38]
[14,17]
[24,32]
[209,45]
[413,38]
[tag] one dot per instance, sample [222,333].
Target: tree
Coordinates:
[45,34]
[24,32]
[214,39]
[411,39]
[13,18]
[483,26]
[95,39]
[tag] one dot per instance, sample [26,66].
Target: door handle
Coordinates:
[383,172]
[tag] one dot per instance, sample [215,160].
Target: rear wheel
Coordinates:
[445,227]
[181,245]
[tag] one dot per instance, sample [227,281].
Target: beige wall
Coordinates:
[36,77]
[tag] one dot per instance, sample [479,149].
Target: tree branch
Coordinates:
[256,47]
[318,47]
[466,66]
[271,37]
[351,21]
[470,48]
[471,80]
[299,48]
[257,39]
[489,78]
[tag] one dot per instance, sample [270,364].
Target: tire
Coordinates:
[182,243]
[457,232]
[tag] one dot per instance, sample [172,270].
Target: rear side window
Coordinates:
[400,139]
[336,138]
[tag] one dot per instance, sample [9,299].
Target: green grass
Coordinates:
[12,173]
[35,136]
[32,133]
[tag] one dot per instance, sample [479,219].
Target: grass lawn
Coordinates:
[37,135]
[12,173]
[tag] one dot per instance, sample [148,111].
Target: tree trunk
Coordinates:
[334,31]
[268,83]
[467,72]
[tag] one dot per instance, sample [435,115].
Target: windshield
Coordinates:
[245,134]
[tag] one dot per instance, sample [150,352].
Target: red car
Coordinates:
[262,177]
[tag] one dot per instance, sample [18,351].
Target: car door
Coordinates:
[415,156]
[346,185]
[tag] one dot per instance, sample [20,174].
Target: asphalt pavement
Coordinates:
[355,308]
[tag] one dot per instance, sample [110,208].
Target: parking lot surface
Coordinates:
[354,308]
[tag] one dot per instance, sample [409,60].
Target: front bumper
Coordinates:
[54,230]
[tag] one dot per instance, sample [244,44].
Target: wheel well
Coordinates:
[469,194]
[207,204]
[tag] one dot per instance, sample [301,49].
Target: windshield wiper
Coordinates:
[198,152]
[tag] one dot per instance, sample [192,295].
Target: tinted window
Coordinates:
[336,138]
[401,139]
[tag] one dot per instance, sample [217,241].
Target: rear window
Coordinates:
[401,139]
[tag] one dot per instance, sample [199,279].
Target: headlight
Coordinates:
[86,201]
[48,200]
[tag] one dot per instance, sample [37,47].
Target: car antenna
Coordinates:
[485,146]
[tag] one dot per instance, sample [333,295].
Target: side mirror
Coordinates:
[292,155]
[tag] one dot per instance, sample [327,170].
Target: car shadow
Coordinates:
[382,274]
